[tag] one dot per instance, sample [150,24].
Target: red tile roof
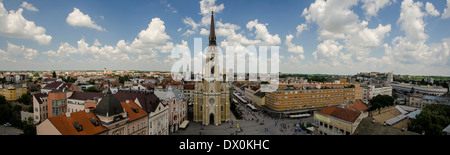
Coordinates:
[341,113]
[66,127]
[357,105]
[133,115]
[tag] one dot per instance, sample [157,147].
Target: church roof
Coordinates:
[212,32]
[109,106]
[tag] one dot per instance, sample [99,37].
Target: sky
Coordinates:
[314,36]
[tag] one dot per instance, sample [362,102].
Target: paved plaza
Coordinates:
[252,123]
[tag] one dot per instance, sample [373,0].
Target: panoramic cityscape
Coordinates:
[211,67]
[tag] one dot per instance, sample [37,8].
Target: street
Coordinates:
[252,123]
[9,130]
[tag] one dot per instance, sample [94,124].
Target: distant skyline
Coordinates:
[315,36]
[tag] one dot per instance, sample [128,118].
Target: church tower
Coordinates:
[211,96]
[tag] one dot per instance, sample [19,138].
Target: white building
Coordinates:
[372,91]
[159,120]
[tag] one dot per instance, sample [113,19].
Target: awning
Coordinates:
[184,124]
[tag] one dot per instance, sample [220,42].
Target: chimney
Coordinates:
[87,110]
[68,114]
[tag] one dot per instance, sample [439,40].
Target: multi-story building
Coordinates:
[40,110]
[259,99]
[371,91]
[337,121]
[298,98]
[111,117]
[13,91]
[158,118]
[177,107]
[420,101]
[57,102]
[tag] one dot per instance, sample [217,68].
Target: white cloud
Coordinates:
[371,7]
[292,48]
[262,33]
[361,42]
[4,56]
[14,25]
[446,13]
[329,49]
[21,51]
[411,21]
[301,28]
[411,48]
[429,7]
[28,6]
[333,17]
[336,20]
[78,18]
[153,39]
[205,10]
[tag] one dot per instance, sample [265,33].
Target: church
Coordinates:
[211,95]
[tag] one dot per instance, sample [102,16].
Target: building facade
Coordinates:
[297,98]
[211,96]
[337,121]
[40,110]
[13,91]
[177,107]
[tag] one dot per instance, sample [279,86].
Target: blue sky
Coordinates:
[314,36]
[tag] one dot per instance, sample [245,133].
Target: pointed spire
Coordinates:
[212,33]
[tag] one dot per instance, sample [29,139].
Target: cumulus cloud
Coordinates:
[446,13]
[262,33]
[336,20]
[429,7]
[300,28]
[14,25]
[153,39]
[292,48]
[411,48]
[78,18]
[28,6]
[21,51]
[371,7]
[411,21]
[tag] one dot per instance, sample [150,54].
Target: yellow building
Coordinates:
[297,98]
[259,99]
[13,92]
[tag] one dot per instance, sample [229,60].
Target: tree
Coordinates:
[381,101]
[5,113]
[431,120]
[36,74]
[92,89]
[54,74]
[25,99]
[2,99]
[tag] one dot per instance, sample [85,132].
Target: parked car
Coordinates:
[7,124]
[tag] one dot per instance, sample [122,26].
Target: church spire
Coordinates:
[212,33]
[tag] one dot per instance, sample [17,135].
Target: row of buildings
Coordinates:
[164,111]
